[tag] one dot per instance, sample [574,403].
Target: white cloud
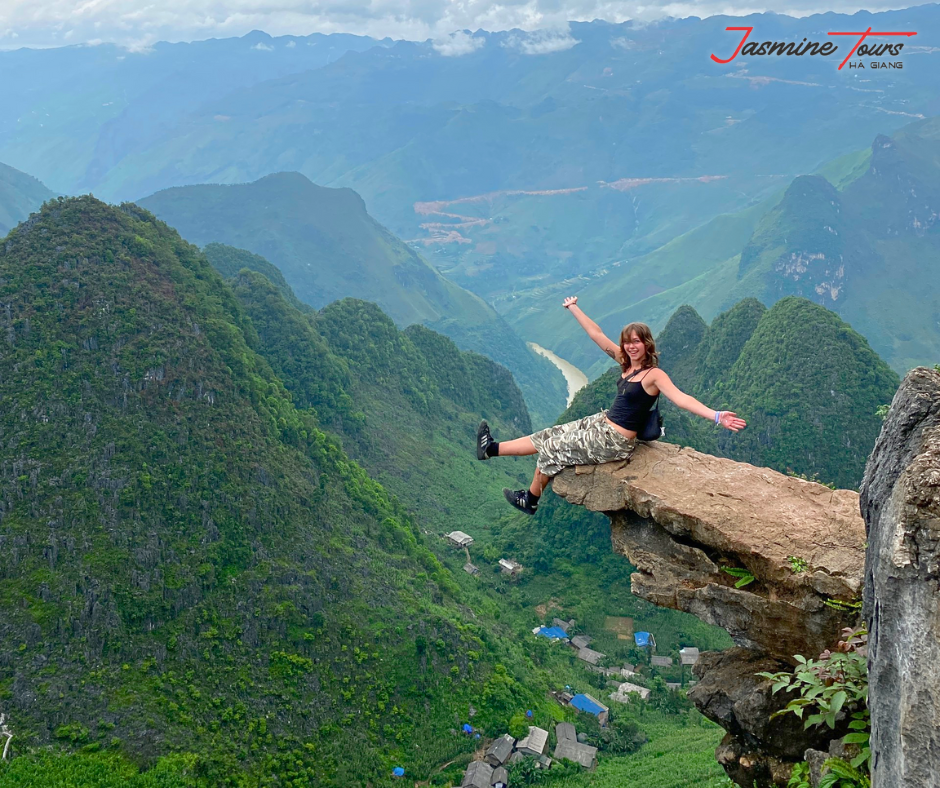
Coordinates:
[142,22]
[262,47]
[457,44]
[542,42]
[291,44]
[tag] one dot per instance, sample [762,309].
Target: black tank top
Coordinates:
[632,404]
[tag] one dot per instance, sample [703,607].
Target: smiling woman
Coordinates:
[610,435]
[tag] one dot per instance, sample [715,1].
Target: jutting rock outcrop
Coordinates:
[680,516]
[900,500]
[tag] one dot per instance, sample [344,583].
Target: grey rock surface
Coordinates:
[730,693]
[900,501]
[679,516]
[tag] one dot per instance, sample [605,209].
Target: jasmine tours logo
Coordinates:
[878,54]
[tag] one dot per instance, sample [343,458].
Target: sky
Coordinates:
[138,23]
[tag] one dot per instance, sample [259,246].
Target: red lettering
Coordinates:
[865,34]
[741,44]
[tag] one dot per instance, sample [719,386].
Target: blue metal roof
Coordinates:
[553,632]
[584,703]
[643,638]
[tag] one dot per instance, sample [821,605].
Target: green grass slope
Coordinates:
[20,195]
[188,563]
[327,247]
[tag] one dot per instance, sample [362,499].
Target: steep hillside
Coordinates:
[328,247]
[187,561]
[20,195]
[405,404]
[229,260]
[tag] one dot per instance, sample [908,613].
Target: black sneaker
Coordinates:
[520,499]
[484,440]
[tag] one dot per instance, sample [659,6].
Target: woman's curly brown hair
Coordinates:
[646,337]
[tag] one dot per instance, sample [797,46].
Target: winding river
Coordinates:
[575,378]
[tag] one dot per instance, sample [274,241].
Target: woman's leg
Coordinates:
[539,482]
[520,447]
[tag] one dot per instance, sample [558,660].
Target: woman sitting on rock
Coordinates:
[611,434]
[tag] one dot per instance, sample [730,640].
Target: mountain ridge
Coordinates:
[327,246]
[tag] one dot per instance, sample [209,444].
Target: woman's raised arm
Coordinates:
[725,418]
[593,330]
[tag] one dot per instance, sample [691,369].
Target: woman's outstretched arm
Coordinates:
[725,418]
[593,330]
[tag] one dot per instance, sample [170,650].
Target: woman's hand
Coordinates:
[729,420]
[569,301]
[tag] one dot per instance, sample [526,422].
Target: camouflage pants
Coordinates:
[587,441]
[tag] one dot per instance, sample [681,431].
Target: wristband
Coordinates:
[718,417]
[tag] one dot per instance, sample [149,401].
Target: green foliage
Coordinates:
[834,686]
[797,565]
[800,776]
[843,775]
[46,769]
[621,736]
[179,504]
[327,248]
[745,576]
[679,753]
[849,606]
[798,375]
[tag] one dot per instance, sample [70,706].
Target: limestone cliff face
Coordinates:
[679,516]
[901,503]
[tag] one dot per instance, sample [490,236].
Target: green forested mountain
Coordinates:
[860,237]
[229,260]
[328,247]
[807,384]
[188,562]
[405,404]
[20,195]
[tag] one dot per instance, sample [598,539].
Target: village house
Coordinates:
[500,750]
[591,705]
[534,743]
[459,539]
[478,775]
[509,567]
[581,641]
[590,656]
[552,633]
[622,695]
[568,747]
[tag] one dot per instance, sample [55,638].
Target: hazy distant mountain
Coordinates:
[72,114]
[328,247]
[862,241]
[20,195]
[532,159]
